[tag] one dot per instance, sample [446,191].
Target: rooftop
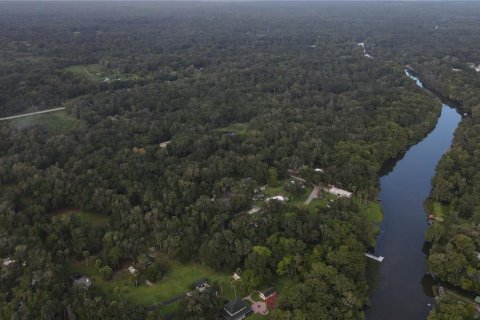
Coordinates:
[269,291]
[236,309]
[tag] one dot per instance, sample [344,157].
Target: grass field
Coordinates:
[94,72]
[87,217]
[52,121]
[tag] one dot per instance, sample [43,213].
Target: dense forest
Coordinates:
[177,114]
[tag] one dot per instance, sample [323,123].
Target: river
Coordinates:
[404,290]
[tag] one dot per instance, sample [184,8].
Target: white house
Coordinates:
[339,192]
[318,170]
[236,276]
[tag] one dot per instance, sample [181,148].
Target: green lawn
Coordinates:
[257,316]
[87,217]
[52,121]
[171,309]
[321,202]
[373,211]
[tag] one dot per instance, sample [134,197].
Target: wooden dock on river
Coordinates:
[371,256]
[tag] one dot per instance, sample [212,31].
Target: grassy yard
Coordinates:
[175,283]
[99,73]
[317,204]
[440,210]
[257,316]
[300,199]
[271,191]
[373,211]
[171,309]
[52,121]
[87,217]
[321,202]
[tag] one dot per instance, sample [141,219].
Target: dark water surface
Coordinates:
[403,290]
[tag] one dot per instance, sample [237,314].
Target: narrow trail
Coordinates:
[31,114]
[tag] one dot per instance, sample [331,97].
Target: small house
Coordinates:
[318,170]
[269,293]
[235,310]
[477,300]
[201,283]
[236,276]
[281,199]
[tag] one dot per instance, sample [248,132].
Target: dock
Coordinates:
[371,256]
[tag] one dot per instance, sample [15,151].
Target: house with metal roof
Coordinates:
[236,309]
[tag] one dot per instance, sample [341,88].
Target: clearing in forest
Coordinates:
[93,72]
[234,129]
[83,216]
[52,121]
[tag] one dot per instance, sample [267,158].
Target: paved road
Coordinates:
[312,195]
[32,113]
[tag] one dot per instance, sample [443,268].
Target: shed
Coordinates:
[200,283]
[270,292]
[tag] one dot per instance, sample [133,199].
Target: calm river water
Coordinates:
[404,291]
